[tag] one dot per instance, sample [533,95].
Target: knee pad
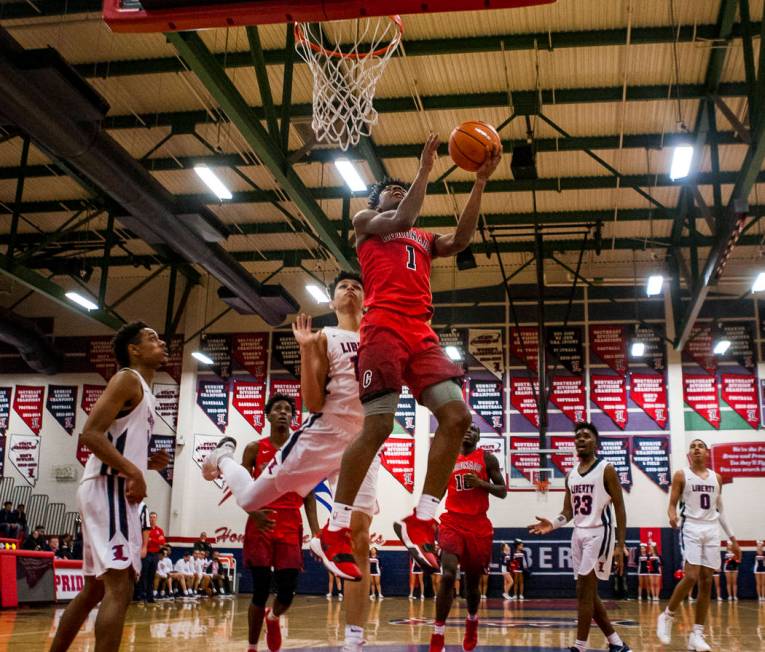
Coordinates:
[261,585]
[286,585]
[440,394]
[385,404]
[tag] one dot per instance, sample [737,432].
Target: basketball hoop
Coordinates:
[542,486]
[346,75]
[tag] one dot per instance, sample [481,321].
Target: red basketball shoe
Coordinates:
[436,643]
[273,633]
[471,634]
[335,551]
[419,537]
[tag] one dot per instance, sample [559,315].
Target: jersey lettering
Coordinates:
[411,261]
[705,501]
[118,553]
[583,505]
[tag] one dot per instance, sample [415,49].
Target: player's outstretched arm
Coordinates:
[546,525]
[614,489]
[735,549]
[314,363]
[678,485]
[123,392]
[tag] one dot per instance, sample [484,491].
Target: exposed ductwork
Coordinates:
[36,349]
[62,114]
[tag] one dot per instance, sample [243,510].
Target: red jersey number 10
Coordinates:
[411,261]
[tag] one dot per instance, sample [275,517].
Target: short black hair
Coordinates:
[373,199]
[474,428]
[7,502]
[343,276]
[127,335]
[586,424]
[279,397]
[698,439]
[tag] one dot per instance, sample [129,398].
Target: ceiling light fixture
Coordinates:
[654,285]
[681,162]
[202,357]
[318,293]
[637,350]
[212,182]
[350,175]
[759,283]
[453,352]
[76,297]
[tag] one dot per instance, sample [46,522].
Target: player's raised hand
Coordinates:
[301,329]
[542,526]
[429,152]
[489,165]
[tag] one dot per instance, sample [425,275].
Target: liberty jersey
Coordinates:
[396,271]
[699,499]
[590,501]
[342,388]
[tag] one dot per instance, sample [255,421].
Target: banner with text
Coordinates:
[651,456]
[166,403]
[487,347]
[700,393]
[218,348]
[90,394]
[24,454]
[521,463]
[203,446]
[740,392]
[397,458]
[567,394]
[524,346]
[649,392]
[5,408]
[609,344]
[166,444]
[28,404]
[486,399]
[497,446]
[405,410]
[655,355]
[523,397]
[212,397]
[741,338]
[609,393]
[616,450]
[566,459]
[744,459]
[287,352]
[249,399]
[566,345]
[62,404]
[699,349]
[101,356]
[250,350]
[174,365]
[290,388]
[82,454]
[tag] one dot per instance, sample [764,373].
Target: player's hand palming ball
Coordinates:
[472,143]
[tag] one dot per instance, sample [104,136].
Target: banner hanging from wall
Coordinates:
[62,404]
[486,399]
[699,349]
[744,459]
[649,392]
[28,404]
[524,463]
[101,356]
[616,450]
[566,459]
[524,346]
[5,409]
[567,394]
[566,345]
[497,446]
[24,454]
[456,337]
[90,394]
[166,444]
[250,350]
[405,410]
[609,393]
[397,458]
[218,348]
[249,399]
[741,339]
[212,397]
[700,393]
[523,397]
[651,456]
[655,355]
[287,352]
[740,392]
[290,388]
[174,365]
[609,343]
[83,453]
[487,347]
[203,446]
[166,403]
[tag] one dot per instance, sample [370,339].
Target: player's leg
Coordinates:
[118,592]
[444,599]
[261,586]
[357,604]
[681,591]
[484,587]
[76,612]
[586,592]
[760,580]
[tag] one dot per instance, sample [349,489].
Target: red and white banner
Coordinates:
[649,391]
[24,454]
[524,463]
[174,365]
[739,460]
[250,350]
[740,392]
[166,403]
[699,349]
[397,458]
[83,453]
[249,399]
[69,578]
[700,393]
[486,346]
[523,397]
[567,394]
[101,356]
[609,393]
[290,388]
[610,345]
[524,346]
[28,404]
[566,459]
[90,394]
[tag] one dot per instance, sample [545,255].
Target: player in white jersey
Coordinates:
[117,432]
[592,487]
[698,489]
[329,388]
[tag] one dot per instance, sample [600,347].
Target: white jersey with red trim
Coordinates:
[699,499]
[590,500]
[342,389]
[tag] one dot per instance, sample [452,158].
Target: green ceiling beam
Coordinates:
[191,47]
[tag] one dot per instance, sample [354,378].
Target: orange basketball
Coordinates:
[472,142]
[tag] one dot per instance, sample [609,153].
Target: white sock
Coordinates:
[427,507]
[669,613]
[581,645]
[615,639]
[698,629]
[341,517]
[271,616]
[354,634]
[439,629]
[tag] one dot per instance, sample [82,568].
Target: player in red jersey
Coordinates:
[399,347]
[465,534]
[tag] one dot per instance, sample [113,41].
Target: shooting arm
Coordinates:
[314,367]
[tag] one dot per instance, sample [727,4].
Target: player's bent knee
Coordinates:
[286,585]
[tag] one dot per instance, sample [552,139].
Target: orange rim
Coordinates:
[300,37]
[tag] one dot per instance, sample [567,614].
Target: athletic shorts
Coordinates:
[265,550]
[111,526]
[700,543]
[397,350]
[592,549]
[473,549]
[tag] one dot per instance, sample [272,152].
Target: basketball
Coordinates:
[471,143]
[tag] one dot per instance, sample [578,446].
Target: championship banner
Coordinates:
[566,345]
[405,410]
[90,394]
[164,443]
[700,393]
[5,408]
[82,454]
[655,355]
[101,356]
[174,365]
[741,343]
[287,352]
[487,347]
[523,397]
[524,346]
[62,404]
[290,388]
[249,399]
[397,456]
[166,403]
[486,399]
[651,456]
[456,337]
[649,392]
[566,459]
[609,393]
[24,454]
[699,349]
[250,350]
[524,463]
[497,446]
[212,397]
[218,347]
[616,450]
[740,392]
[567,394]
[28,404]
[744,459]
[203,446]
[609,343]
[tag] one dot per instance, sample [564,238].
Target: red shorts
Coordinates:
[470,544]
[397,350]
[265,550]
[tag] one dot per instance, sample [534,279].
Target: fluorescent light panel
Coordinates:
[212,182]
[721,347]
[638,349]
[759,283]
[654,284]
[80,300]
[350,175]
[453,352]
[318,293]
[681,162]
[202,357]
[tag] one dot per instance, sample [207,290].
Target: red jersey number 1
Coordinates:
[411,261]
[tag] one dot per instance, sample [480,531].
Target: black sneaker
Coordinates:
[619,648]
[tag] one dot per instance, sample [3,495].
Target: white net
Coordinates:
[346,74]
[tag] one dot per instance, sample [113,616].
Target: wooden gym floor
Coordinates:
[394,625]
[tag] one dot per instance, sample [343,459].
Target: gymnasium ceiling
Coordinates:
[606,89]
